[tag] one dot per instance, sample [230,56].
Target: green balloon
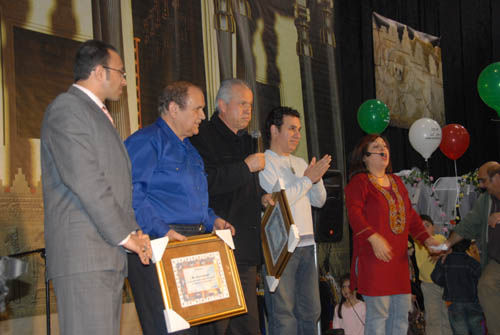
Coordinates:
[488,86]
[373,116]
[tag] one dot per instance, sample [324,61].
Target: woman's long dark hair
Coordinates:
[343,279]
[357,165]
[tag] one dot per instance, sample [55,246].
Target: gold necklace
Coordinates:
[397,211]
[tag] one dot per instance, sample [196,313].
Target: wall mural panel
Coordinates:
[43,68]
[39,41]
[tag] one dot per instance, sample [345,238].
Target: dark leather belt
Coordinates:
[188,229]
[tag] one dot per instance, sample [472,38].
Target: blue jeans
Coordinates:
[294,308]
[465,318]
[387,315]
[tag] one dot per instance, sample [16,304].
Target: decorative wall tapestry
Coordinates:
[408,72]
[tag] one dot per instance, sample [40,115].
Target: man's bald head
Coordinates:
[482,175]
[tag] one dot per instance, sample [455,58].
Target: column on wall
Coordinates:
[243,15]
[107,24]
[328,39]
[304,50]
[225,27]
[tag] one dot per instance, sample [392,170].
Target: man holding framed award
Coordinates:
[170,196]
[294,308]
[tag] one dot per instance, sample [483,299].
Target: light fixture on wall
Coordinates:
[224,20]
[326,34]
[302,19]
[243,8]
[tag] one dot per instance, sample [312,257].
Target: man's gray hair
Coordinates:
[225,92]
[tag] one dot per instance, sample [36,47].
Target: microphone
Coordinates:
[368,154]
[257,140]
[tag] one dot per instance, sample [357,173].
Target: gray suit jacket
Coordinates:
[87,188]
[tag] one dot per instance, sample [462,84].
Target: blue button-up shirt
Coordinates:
[169,179]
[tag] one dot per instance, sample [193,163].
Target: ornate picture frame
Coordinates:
[274,234]
[199,280]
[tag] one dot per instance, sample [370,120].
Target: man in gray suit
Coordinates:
[88,197]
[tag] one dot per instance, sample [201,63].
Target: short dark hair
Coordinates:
[275,117]
[357,165]
[462,246]
[90,54]
[426,217]
[175,92]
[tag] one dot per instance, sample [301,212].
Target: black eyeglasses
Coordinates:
[123,73]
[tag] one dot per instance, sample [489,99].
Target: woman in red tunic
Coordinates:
[381,217]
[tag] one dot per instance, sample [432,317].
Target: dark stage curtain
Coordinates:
[470,40]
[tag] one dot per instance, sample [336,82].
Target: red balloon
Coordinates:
[455,141]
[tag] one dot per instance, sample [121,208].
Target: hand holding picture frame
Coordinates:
[200,281]
[275,231]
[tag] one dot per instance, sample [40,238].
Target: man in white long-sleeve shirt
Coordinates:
[294,308]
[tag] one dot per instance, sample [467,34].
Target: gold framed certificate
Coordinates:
[274,234]
[200,281]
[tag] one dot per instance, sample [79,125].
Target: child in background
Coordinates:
[350,313]
[436,313]
[459,274]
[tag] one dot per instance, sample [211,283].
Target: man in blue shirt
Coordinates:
[170,196]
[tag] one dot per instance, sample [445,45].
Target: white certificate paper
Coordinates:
[200,279]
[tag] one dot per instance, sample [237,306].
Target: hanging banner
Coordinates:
[408,72]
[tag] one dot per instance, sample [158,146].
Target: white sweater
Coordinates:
[300,191]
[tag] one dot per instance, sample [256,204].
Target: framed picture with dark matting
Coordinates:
[274,234]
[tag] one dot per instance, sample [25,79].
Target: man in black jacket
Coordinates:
[235,194]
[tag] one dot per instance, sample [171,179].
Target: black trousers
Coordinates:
[146,289]
[245,324]
[148,298]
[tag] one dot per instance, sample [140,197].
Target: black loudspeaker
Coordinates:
[329,220]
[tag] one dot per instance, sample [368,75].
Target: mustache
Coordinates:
[382,154]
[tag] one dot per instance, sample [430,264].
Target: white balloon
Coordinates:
[425,136]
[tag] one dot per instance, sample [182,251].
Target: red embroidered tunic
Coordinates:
[368,213]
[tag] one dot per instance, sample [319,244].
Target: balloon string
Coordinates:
[458,189]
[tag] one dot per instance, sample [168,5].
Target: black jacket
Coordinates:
[459,276]
[235,192]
